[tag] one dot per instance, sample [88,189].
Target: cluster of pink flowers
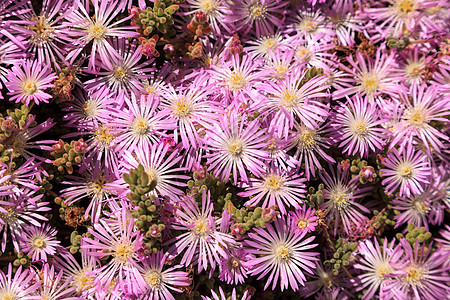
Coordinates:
[262,148]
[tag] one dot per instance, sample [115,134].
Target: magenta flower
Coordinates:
[221,295]
[158,284]
[160,166]
[116,238]
[358,127]
[21,211]
[427,106]
[27,83]
[39,241]
[275,188]
[418,274]
[47,35]
[202,240]
[303,219]
[309,143]
[341,191]
[141,124]
[237,77]
[52,287]
[371,77]
[98,29]
[235,148]
[234,266]
[288,101]
[124,76]
[191,109]
[21,286]
[257,16]
[407,170]
[281,251]
[375,262]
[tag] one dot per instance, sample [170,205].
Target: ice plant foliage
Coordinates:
[215,149]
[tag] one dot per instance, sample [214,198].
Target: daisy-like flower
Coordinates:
[89,110]
[94,185]
[99,29]
[413,65]
[125,75]
[393,18]
[26,83]
[235,148]
[308,23]
[375,262]
[79,276]
[258,16]
[265,44]
[159,166]
[202,241]
[234,265]
[20,286]
[371,77]
[215,11]
[236,77]
[282,62]
[10,54]
[142,124]
[308,143]
[289,99]
[47,34]
[317,52]
[303,219]
[19,213]
[323,280]
[357,127]
[191,109]
[407,170]
[419,275]
[52,287]
[281,251]
[428,105]
[276,188]
[116,238]
[39,242]
[341,191]
[158,284]
[424,208]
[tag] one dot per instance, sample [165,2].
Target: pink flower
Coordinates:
[26,83]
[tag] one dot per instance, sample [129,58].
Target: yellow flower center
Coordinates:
[235,263]
[236,82]
[302,223]
[273,182]
[103,136]
[282,252]
[406,171]
[123,252]
[370,84]
[43,32]
[140,126]
[120,73]
[29,88]
[97,30]
[153,279]
[256,10]
[288,98]
[417,117]
[200,227]
[405,7]
[208,6]
[360,129]
[38,243]
[304,53]
[414,276]
[235,148]
[181,108]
